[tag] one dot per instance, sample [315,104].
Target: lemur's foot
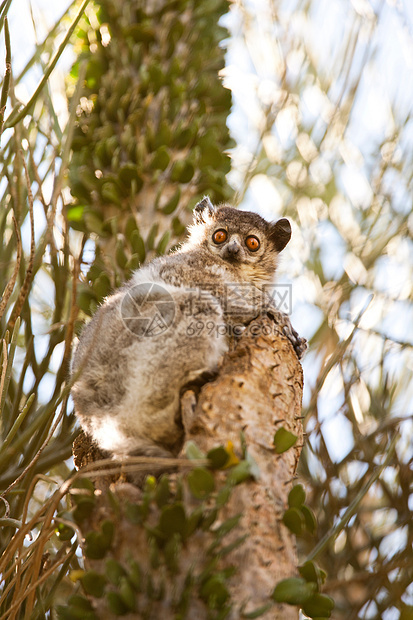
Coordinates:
[299,344]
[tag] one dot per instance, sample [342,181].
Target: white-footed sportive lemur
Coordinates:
[169,325]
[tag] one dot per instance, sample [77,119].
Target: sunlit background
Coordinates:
[323,129]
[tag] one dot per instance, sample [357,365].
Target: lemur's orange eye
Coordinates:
[219,236]
[252,243]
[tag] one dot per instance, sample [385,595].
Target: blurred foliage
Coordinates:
[163,578]
[38,275]
[157,57]
[330,143]
[151,134]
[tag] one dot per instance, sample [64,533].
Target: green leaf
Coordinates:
[214,592]
[294,591]
[93,583]
[84,507]
[163,243]
[133,263]
[177,226]
[98,543]
[78,608]
[294,520]
[210,156]
[75,213]
[296,496]
[93,548]
[130,227]
[172,520]
[81,602]
[319,605]
[223,496]
[134,513]
[172,203]
[309,518]
[150,240]
[162,492]
[257,613]
[160,159]
[114,571]
[138,245]
[239,473]
[94,222]
[312,572]
[127,593]
[84,483]
[85,300]
[209,518]
[201,483]
[121,257]
[102,285]
[108,531]
[253,466]
[128,173]
[283,440]
[182,171]
[227,526]
[233,545]
[194,521]
[135,575]
[116,605]
[183,138]
[74,613]
[64,532]
[172,553]
[218,457]
[150,484]
[110,193]
[193,453]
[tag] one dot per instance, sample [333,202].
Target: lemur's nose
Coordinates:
[233,248]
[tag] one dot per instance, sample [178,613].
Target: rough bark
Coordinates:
[258,389]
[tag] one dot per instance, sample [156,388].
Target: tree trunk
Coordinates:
[151,136]
[258,389]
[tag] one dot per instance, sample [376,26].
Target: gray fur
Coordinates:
[127,394]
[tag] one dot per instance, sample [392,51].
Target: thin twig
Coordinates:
[20,565]
[10,284]
[7,75]
[6,505]
[40,450]
[15,116]
[336,529]
[4,368]
[29,272]
[66,151]
[74,309]
[4,7]
[32,588]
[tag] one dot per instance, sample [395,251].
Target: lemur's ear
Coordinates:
[203,210]
[280,234]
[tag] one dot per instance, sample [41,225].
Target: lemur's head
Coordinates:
[241,238]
